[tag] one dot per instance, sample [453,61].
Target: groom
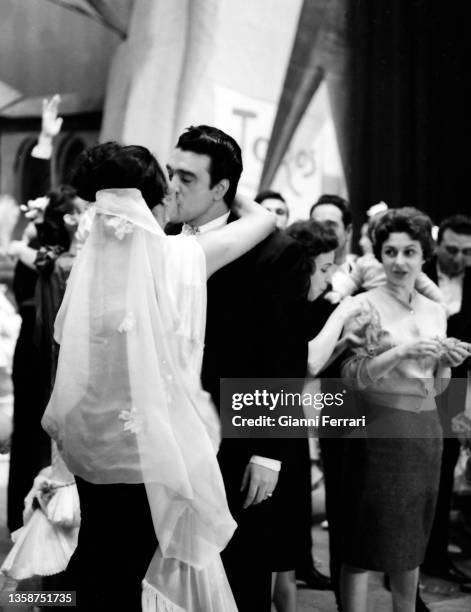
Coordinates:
[250,333]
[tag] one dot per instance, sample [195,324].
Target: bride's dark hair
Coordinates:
[113,166]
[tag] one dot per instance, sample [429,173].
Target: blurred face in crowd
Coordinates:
[279,209]
[402,258]
[331,216]
[454,252]
[320,277]
[191,198]
[85,225]
[72,219]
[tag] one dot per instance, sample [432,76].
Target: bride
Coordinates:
[127,411]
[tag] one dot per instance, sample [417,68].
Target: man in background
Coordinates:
[450,269]
[276,204]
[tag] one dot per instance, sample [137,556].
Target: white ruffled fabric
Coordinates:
[41,548]
[168,575]
[128,406]
[48,538]
[63,508]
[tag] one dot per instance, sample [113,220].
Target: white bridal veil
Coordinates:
[127,405]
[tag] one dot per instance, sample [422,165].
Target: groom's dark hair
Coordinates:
[222,149]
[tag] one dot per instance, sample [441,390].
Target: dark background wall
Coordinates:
[409,122]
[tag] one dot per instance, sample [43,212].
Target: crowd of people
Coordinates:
[139,290]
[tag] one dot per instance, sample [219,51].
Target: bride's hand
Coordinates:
[229,242]
[242,206]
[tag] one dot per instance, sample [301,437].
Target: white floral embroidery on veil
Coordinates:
[128,323]
[133,421]
[121,227]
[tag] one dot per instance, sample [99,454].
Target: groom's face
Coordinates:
[191,199]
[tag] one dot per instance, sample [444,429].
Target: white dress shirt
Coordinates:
[190,230]
[452,290]
[216,223]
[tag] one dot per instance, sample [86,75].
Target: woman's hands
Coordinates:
[349,308]
[450,353]
[417,349]
[50,126]
[51,123]
[454,352]
[334,297]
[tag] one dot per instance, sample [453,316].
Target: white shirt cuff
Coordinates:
[271,464]
[43,150]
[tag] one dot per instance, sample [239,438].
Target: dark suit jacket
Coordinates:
[254,329]
[459,326]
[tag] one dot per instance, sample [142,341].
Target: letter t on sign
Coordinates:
[245,116]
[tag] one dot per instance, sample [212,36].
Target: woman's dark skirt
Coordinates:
[391,480]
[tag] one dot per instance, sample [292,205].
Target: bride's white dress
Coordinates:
[127,405]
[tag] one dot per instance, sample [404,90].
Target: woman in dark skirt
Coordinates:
[392,472]
[291,514]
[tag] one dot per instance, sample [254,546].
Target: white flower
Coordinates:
[132,421]
[121,227]
[128,323]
